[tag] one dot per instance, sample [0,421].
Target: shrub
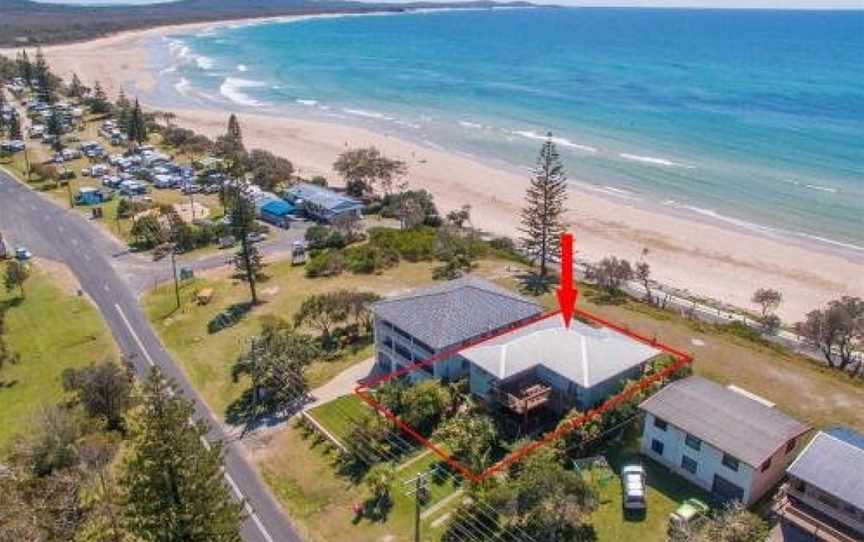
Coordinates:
[324,237]
[415,245]
[369,259]
[325,264]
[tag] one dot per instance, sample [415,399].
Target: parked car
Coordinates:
[256,237]
[691,512]
[22,254]
[13,146]
[633,487]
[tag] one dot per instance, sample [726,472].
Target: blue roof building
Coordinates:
[277,212]
[321,203]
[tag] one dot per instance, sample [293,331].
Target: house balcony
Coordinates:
[523,397]
[811,516]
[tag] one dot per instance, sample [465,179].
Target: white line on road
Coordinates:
[134,335]
[248,507]
[75,242]
[204,442]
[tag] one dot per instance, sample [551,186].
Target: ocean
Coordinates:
[749,118]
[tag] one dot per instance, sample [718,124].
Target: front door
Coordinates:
[727,490]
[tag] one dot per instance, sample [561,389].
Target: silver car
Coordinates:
[633,487]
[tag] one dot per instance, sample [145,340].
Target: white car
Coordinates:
[633,487]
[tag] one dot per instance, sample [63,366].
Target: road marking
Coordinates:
[134,335]
[75,242]
[87,257]
[204,442]
[107,289]
[248,507]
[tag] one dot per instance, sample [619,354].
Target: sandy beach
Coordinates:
[708,260]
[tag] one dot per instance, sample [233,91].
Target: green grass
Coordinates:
[301,472]
[341,415]
[52,330]
[666,491]
[207,358]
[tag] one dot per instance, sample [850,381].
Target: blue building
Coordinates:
[322,204]
[277,212]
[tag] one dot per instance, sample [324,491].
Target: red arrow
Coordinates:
[567,291]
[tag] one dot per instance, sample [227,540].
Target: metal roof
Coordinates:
[732,422]
[834,463]
[278,207]
[323,197]
[582,354]
[453,312]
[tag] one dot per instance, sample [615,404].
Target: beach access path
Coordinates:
[63,235]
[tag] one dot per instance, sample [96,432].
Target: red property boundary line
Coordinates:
[362,391]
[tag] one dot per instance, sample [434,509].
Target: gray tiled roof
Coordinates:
[728,420]
[582,354]
[452,312]
[835,464]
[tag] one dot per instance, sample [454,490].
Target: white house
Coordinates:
[546,364]
[724,439]
[825,492]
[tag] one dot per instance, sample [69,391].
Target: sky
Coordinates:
[797,4]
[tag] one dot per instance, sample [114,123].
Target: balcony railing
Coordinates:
[793,506]
[525,399]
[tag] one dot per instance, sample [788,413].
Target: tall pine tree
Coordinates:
[2,107]
[136,125]
[247,261]
[175,491]
[77,88]
[42,77]
[541,217]
[99,102]
[25,68]
[15,128]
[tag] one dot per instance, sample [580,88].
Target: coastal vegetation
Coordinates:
[29,22]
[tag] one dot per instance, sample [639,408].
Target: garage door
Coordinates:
[725,489]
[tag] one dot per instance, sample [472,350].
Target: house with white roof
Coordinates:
[824,496]
[547,364]
[730,442]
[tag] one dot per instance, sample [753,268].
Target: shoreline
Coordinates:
[697,254]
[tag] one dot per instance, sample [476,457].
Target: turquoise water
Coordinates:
[754,119]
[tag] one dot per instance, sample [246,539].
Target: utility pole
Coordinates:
[419,498]
[174,272]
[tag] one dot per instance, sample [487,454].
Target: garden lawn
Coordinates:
[666,491]
[341,415]
[301,472]
[52,330]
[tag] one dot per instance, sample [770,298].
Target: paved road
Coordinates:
[55,233]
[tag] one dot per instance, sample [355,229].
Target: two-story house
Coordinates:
[425,322]
[824,496]
[724,439]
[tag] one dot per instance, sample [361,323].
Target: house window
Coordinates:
[388,341]
[657,446]
[766,465]
[660,424]
[689,464]
[791,445]
[693,442]
[730,462]
[404,352]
